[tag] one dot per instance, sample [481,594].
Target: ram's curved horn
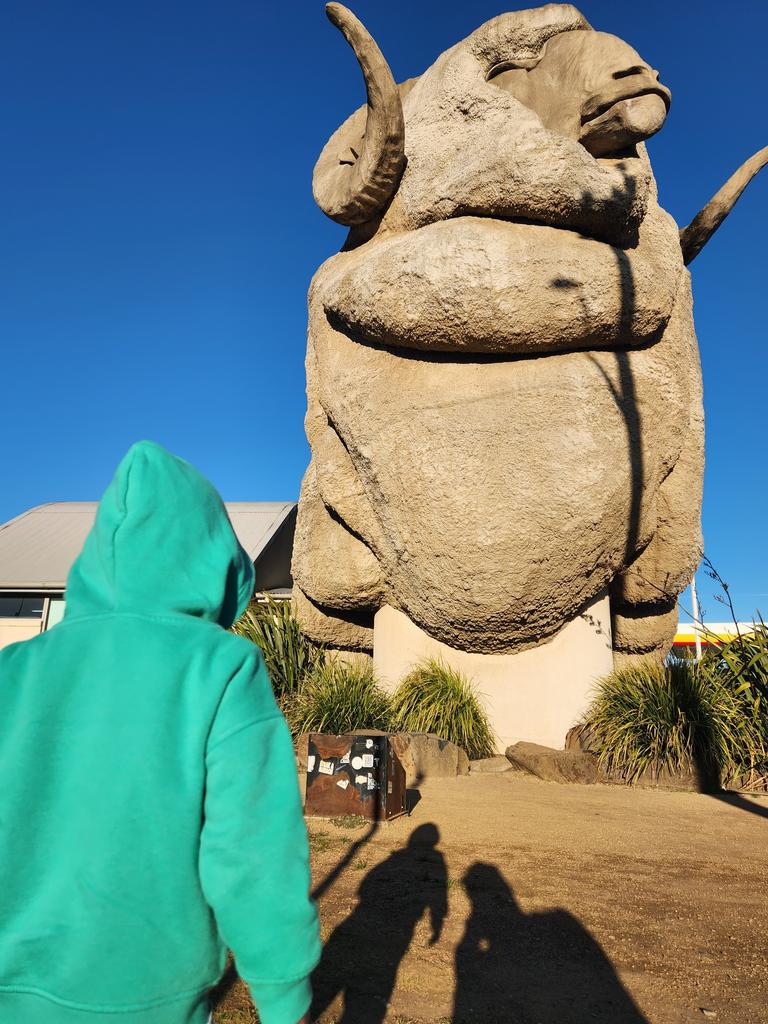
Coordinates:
[352,186]
[707,221]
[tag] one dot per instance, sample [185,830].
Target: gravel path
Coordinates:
[505,900]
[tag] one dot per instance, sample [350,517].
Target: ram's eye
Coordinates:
[637,69]
[354,157]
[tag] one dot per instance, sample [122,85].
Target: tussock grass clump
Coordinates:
[435,698]
[290,656]
[339,698]
[745,659]
[676,718]
[741,665]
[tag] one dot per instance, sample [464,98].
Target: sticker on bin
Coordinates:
[369,743]
[367,760]
[311,763]
[326,768]
[371,782]
[361,780]
[357,763]
[342,783]
[344,760]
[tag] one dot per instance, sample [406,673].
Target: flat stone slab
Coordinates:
[554,765]
[426,756]
[488,765]
[581,738]
[577,765]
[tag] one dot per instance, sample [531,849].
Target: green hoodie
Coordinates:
[149,809]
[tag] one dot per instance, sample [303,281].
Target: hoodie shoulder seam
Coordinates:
[263,720]
[252,662]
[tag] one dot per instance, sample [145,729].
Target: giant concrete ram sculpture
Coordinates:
[504,390]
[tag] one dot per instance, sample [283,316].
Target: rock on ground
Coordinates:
[554,765]
[488,765]
[423,755]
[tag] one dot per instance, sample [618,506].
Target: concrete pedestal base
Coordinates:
[536,695]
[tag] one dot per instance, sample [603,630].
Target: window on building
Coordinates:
[55,611]
[21,606]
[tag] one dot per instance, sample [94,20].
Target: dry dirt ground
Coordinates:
[505,900]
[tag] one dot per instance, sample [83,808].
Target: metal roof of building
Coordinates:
[38,547]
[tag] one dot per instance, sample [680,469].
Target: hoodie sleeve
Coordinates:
[254,856]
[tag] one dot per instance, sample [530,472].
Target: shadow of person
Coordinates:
[736,800]
[362,956]
[517,968]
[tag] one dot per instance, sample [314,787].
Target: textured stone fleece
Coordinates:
[491,499]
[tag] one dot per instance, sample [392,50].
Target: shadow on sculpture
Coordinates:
[546,967]
[362,956]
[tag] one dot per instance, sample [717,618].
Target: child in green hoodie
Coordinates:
[149,809]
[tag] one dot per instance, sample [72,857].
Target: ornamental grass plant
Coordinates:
[318,692]
[741,665]
[745,660]
[435,698]
[338,698]
[675,718]
[290,656]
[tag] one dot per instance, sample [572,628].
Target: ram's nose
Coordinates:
[637,78]
[634,113]
[662,90]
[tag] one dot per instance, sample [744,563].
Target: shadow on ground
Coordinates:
[518,968]
[511,967]
[736,800]
[361,958]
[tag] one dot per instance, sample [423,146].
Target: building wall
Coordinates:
[535,695]
[13,630]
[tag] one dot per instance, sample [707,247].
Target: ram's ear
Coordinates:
[512,77]
[360,167]
[523,64]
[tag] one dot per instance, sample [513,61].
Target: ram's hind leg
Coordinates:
[643,632]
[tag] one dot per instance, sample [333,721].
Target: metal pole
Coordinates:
[695,604]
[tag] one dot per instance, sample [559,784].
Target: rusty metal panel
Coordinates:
[357,773]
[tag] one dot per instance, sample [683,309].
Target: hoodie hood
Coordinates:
[162,542]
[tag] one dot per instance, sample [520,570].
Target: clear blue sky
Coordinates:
[158,232]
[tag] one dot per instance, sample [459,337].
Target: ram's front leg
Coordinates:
[472,284]
[337,579]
